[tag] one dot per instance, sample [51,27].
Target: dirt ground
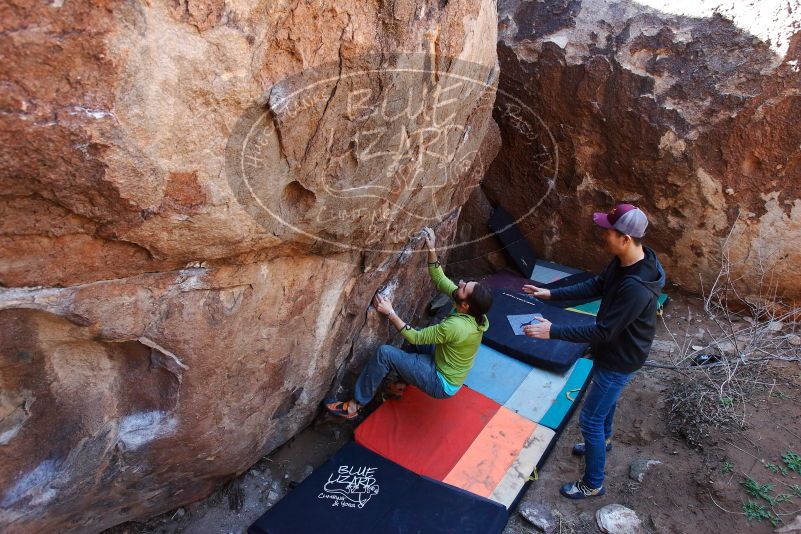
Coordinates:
[690,491]
[697,488]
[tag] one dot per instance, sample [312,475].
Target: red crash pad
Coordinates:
[434,448]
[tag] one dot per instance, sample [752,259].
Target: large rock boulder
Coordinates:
[199,199]
[689,111]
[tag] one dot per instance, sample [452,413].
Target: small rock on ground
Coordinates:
[775,326]
[638,468]
[275,493]
[540,516]
[617,519]
[792,527]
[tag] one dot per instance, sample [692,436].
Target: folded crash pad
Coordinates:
[588,308]
[548,272]
[495,461]
[505,279]
[503,226]
[551,354]
[513,282]
[517,246]
[565,282]
[358,491]
[569,280]
[541,396]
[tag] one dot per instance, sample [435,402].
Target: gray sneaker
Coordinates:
[579,449]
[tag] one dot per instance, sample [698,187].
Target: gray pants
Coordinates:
[417,369]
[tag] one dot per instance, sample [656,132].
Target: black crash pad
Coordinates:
[503,226]
[357,491]
[554,355]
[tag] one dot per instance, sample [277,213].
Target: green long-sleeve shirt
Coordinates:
[457,337]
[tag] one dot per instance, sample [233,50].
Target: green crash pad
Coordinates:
[591,308]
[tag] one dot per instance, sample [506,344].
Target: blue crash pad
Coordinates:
[358,491]
[496,375]
[538,395]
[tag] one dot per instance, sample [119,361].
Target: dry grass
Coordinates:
[742,336]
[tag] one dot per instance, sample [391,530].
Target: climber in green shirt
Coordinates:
[447,349]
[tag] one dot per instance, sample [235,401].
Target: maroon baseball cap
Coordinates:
[625,218]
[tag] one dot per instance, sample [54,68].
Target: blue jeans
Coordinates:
[417,369]
[595,420]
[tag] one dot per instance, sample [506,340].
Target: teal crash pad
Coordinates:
[542,393]
[591,308]
[563,405]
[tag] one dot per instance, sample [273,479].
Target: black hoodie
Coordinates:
[625,326]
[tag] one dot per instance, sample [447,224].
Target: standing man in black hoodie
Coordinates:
[621,336]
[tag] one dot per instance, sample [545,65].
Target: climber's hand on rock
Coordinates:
[431,240]
[538,292]
[383,305]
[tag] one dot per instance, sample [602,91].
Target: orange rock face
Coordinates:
[688,114]
[198,200]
